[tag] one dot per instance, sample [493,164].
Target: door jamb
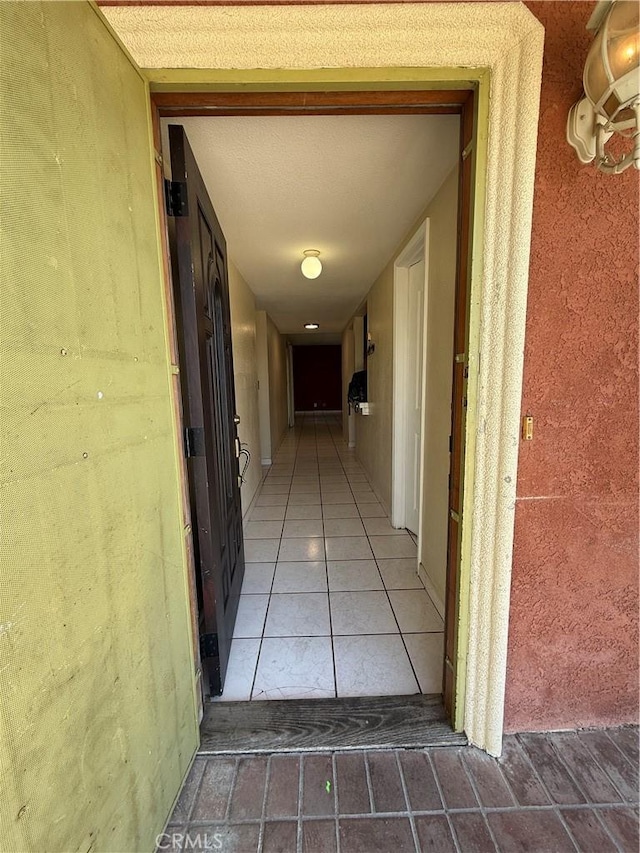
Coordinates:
[417,249]
[445,101]
[176,399]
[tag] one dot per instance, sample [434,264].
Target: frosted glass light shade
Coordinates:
[611,73]
[311,265]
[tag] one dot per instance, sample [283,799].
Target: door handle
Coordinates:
[236,419]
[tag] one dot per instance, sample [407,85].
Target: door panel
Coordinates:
[198,253]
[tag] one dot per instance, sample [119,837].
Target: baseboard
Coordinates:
[431,590]
[266,462]
[352,444]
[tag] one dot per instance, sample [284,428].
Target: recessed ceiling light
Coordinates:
[311,326]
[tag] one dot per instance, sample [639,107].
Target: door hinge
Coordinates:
[208,646]
[175,196]
[194,441]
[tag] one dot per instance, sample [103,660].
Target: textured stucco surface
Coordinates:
[245,371]
[332,36]
[97,713]
[573,643]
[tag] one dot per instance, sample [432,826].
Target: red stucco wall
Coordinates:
[573,639]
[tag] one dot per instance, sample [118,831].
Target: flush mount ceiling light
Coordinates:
[311,266]
[612,87]
[311,326]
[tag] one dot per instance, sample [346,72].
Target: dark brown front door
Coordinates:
[201,292]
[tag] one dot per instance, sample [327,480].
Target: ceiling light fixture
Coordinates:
[311,326]
[311,266]
[611,82]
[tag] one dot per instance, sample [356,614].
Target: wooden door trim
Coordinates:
[361,101]
[416,249]
[460,376]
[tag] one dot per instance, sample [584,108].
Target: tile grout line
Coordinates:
[618,748]
[405,791]
[596,761]
[476,794]
[555,807]
[267,781]
[584,793]
[550,808]
[191,808]
[232,788]
[300,796]
[367,770]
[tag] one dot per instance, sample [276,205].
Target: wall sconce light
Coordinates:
[611,82]
[371,347]
[311,266]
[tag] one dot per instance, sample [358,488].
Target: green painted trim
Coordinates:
[316,79]
[289,80]
[345,79]
[116,38]
[471,425]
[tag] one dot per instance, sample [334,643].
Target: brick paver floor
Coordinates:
[564,791]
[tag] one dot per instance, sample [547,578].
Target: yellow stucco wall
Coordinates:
[97,711]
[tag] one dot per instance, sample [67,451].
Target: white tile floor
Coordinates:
[331,603]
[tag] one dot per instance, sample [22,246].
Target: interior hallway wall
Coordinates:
[264,408]
[442,213]
[245,369]
[273,401]
[573,640]
[278,402]
[348,369]
[97,704]
[374,432]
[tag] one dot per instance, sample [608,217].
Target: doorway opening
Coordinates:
[326,432]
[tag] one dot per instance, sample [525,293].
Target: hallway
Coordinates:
[331,603]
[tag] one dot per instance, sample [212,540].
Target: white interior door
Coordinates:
[415,332]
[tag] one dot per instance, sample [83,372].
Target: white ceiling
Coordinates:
[349,186]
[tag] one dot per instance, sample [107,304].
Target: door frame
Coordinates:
[417,249]
[498,48]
